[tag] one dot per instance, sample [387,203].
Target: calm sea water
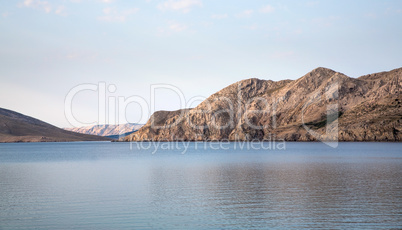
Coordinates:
[110,186]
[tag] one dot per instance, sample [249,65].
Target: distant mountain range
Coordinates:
[323,104]
[112,131]
[16,127]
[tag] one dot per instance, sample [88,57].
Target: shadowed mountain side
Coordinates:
[321,105]
[16,127]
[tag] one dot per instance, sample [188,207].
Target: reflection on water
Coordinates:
[105,185]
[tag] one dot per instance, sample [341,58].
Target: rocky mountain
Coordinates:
[108,130]
[16,127]
[321,105]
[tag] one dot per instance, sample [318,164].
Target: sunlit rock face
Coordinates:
[107,130]
[321,105]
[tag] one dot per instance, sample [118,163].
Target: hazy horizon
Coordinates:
[198,46]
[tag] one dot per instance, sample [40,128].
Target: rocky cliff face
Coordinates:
[107,130]
[321,105]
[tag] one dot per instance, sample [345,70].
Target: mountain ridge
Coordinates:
[107,130]
[300,109]
[17,127]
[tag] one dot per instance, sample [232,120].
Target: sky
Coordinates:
[82,62]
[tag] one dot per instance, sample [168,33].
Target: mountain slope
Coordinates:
[107,130]
[16,127]
[369,109]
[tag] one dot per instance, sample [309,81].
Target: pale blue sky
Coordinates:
[199,46]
